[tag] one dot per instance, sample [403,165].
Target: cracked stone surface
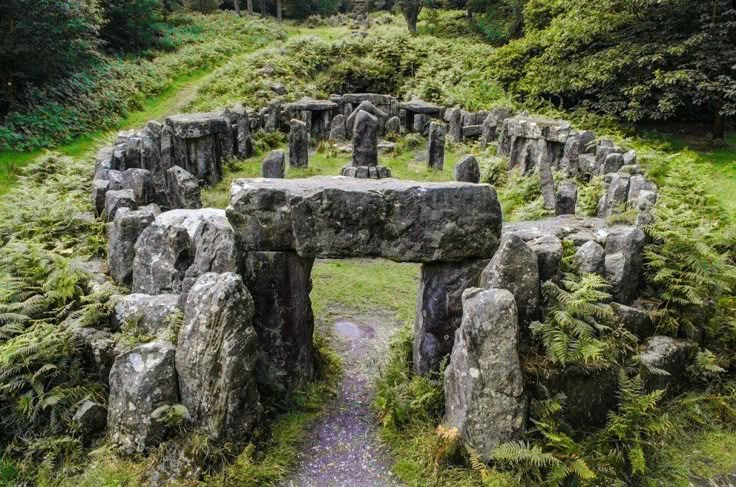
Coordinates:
[343,448]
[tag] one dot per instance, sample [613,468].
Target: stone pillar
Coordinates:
[454,117]
[436,146]
[440,309]
[280,283]
[468,170]
[484,385]
[365,149]
[298,144]
[274,165]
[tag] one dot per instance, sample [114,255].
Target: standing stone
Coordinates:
[123,234]
[280,283]
[454,118]
[393,126]
[216,357]
[141,381]
[141,182]
[365,140]
[243,139]
[612,163]
[167,148]
[515,268]
[484,386]
[90,417]
[566,198]
[273,117]
[337,130]
[623,262]
[589,258]
[100,187]
[576,146]
[115,200]
[163,253]
[546,178]
[615,198]
[468,170]
[671,355]
[365,106]
[182,189]
[549,256]
[436,146]
[152,314]
[274,165]
[298,144]
[440,309]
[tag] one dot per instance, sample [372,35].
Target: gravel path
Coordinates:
[342,449]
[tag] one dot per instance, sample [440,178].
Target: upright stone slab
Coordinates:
[454,118]
[337,130]
[243,138]
[623,262]
[436,146]
[280,283]
[366,106]
[468,170]
[182,189]
[440,309]
[115,200]
[274,165]
[549,256]
[201,142]
[484,386]
[515,268]
[615,198]
[298,144]
[123,233]
[589,258]
[151,314]
[393,126]
[566,198]
[365,140]
[163,253]
[216,357]
[141,381]
[337,217]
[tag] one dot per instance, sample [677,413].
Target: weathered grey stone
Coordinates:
[152,315]
[671,355]
[197,125]
[637,321]
[578,229]
[182,189]
[337,131]
[472,131]
[615,198]
[366,172]
[298,144]
[612,163]
[141,381]
[215,249]
[492,123]
[115,200]
[484,386]
[440,309]
[549,256]
[365,140]
[90,417]
[468,170]
[590,258]
[421,107]
[346,217]
[577,145]
[216,357]
[544,164]
[103,161]
[629,158]
[280,283]
[151,152]
[523,127]
[567,198]
[163,253]
[421,123]
[99,190]
[167,148]
[642,193]
[514,267]
[366,106]
[588,165]
[436,145]
[623,262]
[272,119]
[274,165]
[393,125]
[123,233]
[141,182]
[453,116]
[310,104]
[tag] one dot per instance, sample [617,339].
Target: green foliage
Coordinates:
[132,25]
[642,60]
[690,260]
[401,396]
[521,197]
[97,97]
[579,326]
[588,196]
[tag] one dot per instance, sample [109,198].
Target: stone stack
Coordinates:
[365,148]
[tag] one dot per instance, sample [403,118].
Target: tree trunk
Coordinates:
[517,28]
[263,8]
[236,4]
[279,15]
[719,125]
[250,7]
[411,13]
